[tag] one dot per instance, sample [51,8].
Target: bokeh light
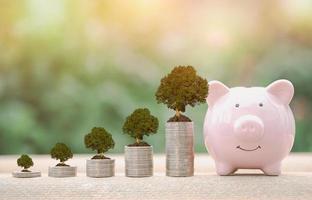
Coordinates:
[69,65]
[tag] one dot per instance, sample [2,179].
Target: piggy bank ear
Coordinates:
[283,90]
[216,91]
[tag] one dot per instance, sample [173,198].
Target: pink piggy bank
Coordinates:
[249,128]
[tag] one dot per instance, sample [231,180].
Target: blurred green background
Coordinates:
[69,65]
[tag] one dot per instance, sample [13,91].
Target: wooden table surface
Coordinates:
[294,183]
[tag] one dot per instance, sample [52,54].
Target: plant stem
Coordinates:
[137,140]
[177,113]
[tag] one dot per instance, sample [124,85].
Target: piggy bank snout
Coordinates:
[249,128]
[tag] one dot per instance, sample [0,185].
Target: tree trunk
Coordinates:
[178,113]
[100,153]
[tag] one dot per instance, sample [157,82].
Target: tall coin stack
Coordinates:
[179,149]
[139,161]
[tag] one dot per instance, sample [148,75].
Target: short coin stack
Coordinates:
[26,174]
[62,171]
[139,161]
[99,168]
[179,149]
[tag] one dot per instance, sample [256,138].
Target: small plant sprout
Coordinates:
[100,140]
[61,152]
[140,123]
[180,88]
[26,162]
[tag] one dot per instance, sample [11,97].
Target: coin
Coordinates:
[179,149]
[20,174]
[99,168]
[62,171]
[138,161]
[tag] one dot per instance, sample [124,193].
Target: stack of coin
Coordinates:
[139,161]
[179,149]
[26,174]
[62,171]
[99,168]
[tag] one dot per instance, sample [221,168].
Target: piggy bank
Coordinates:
[249,127]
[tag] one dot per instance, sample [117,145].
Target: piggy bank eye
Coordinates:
[237,105]
[261,104]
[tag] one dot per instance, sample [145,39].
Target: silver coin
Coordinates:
[172,163]
[129,157]
[139,175]
[100,168]
[139,172]
[62,171]
[138,161]
[100,174]
[179,174]
[175,167]
[179,149]
[184,171]
[180,170]
[138,151]
[138,156]
[138,164]
[129,162]
[175,161]
[177,141]
[20,174]
[180,155]
[140,169]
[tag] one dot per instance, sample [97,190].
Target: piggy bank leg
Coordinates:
[224,169]
[272,170]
